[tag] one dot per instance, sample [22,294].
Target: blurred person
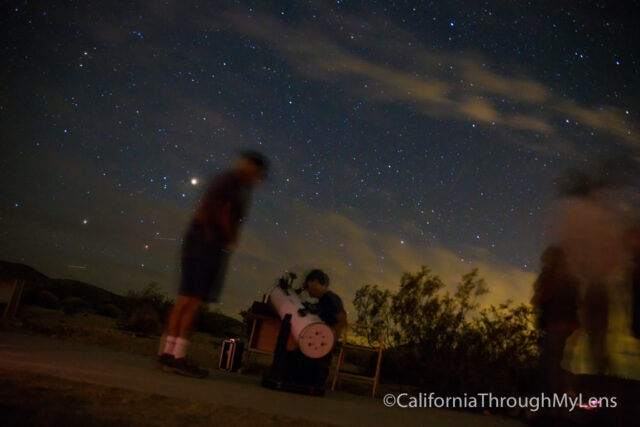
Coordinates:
[591,234]
[207,245]
[556,300]
[634,250]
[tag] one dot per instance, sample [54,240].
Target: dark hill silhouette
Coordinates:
[35,283]
[11,270]
[90,293]
[73,295]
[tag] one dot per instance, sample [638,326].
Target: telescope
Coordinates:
[315,339]
[298,321]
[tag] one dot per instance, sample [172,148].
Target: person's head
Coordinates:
[582,185]
[553,258]
[316,283]
[253,167]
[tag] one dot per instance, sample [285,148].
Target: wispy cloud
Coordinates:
[441,85]
[354,254]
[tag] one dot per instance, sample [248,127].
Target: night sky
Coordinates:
[400,135]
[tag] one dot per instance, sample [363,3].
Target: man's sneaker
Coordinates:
[185,366]
[165,361]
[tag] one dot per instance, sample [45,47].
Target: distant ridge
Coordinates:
[35,282]
[13,270]
[40,290]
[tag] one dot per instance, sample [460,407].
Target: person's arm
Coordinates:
[340,325]
[201,218]
[207,210]
[226,219]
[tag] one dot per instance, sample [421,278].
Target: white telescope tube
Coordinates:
[313,336]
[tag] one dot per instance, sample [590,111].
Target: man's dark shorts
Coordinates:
[204,266]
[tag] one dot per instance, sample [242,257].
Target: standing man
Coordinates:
[591,234]
[556,300]
[211,237]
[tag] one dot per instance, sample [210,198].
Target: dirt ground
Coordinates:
[94,329]
[89,328]
[35,399]
[28,399]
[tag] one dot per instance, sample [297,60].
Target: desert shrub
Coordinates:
[73,305]
[110,310]
[219,325]
[144,318]
[149,307]
[47,299]
[444,341]
[150,295]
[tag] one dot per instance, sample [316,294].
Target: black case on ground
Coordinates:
[231,355]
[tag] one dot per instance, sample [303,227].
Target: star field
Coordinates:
[400,134]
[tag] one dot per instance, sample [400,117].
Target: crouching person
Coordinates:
[300,368]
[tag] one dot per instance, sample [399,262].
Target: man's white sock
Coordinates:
[180,348]
[169,345]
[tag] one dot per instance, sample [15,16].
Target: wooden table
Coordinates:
[265,330]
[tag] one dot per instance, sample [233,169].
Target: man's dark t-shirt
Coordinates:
[227,190]
[204,253]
